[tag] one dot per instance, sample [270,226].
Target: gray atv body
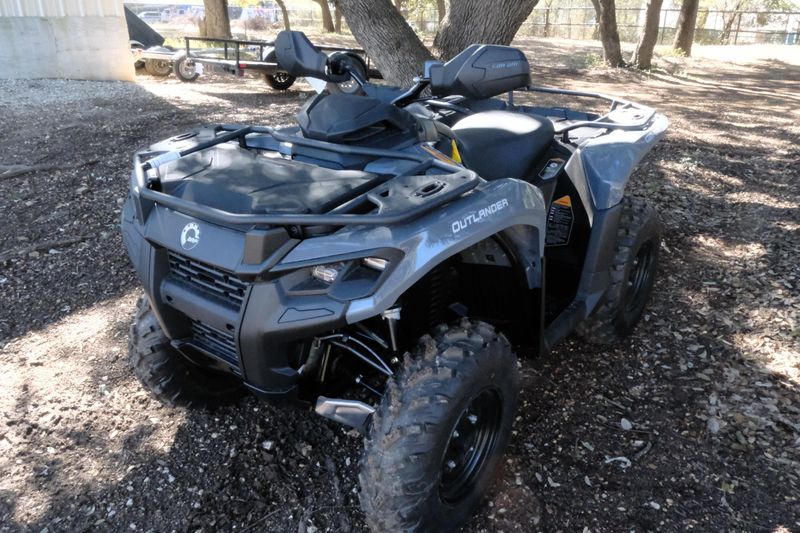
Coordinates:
[233,294]
[386,260]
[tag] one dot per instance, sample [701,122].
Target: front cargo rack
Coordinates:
[457,181]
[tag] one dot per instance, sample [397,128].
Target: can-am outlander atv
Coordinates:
[384,260]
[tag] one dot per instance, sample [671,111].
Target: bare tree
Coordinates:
[596,30]
[479,21]
[399,5]
[729,19]
[643,56]
[441,10]
[216,23]
[387,37]
[337,17]
[548,5]
[284,14]
[327,20]
[684,36]
[399,53]
[609,35]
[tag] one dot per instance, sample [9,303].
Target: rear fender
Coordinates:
[510,206]
[607,161]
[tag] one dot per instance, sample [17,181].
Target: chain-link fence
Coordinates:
[578,22]
[712,27]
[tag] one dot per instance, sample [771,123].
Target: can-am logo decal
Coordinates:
[190,236]
[477,216]
[507,64]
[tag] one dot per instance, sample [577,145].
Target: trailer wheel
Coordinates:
[182,70]
[280,81]
[350,86]
[136,45]
[158,67]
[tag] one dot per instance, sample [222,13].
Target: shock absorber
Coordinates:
[392,318]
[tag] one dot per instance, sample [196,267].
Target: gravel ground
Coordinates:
[694,422]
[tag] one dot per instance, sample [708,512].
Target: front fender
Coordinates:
[427,241]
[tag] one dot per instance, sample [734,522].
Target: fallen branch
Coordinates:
[13,171]
[47,245]
[258,522]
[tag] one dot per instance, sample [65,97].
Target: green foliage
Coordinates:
[751,5]
[580,61]
[245,3]
[669,51]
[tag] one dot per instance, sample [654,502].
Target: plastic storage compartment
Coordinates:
[481,71]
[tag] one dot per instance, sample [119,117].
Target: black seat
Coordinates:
[502,144]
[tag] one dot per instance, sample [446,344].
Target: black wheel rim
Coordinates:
[639,279]
[281,77]
[470,445]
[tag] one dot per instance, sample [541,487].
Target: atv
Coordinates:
[387,258]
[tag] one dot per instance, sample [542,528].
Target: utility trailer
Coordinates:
[237,56]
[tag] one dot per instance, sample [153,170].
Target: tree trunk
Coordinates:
[643,56]
[596,30]
[609,36]
[478,21]
[327,20]
[684,36]
[388,39]
[284,15]
[399,5]
[216,22]
[546,32]
[728,20]
[441,9]
[337,16]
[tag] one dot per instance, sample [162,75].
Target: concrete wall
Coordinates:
[78,39]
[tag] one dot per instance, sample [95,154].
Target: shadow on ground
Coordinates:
[708,382]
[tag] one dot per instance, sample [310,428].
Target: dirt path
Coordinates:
[709,382]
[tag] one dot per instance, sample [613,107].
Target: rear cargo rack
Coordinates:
[456,181]
[642,116]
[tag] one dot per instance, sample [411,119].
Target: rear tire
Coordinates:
[168,375]
[440,430]
[633,273]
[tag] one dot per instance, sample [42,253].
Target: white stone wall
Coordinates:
[78,39]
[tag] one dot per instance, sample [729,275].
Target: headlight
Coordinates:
[375,263]
[327,273]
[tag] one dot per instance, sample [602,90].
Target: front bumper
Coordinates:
[218,298]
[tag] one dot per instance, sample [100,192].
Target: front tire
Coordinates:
[633,273]
[168,375]
[440,430]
